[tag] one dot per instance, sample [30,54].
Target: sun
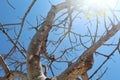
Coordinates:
[101,3]
[98,7]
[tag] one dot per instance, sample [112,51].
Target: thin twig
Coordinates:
[10,5]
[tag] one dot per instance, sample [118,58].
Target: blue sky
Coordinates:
[41,8]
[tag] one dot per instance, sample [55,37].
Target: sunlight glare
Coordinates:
[98,7]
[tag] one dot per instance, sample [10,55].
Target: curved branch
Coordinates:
[78,67]
[38,44]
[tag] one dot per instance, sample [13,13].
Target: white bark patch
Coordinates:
[30,57]
[54,78]
[46,28]
[42,77]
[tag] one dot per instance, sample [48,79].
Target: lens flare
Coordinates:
[98,7]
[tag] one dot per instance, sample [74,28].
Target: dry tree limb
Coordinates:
[78,67]
[10,75]
[7,76]
[4,65]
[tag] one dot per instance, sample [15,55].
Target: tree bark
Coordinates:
[38,44]
[78,68]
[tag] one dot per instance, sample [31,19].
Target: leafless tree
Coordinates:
[64,37]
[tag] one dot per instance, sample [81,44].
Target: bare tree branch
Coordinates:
[11,74]
[10,24]
[10,4]
[38,44]
[39,61]
[4,65]
[78,67]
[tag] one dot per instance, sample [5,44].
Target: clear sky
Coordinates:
[41,8]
